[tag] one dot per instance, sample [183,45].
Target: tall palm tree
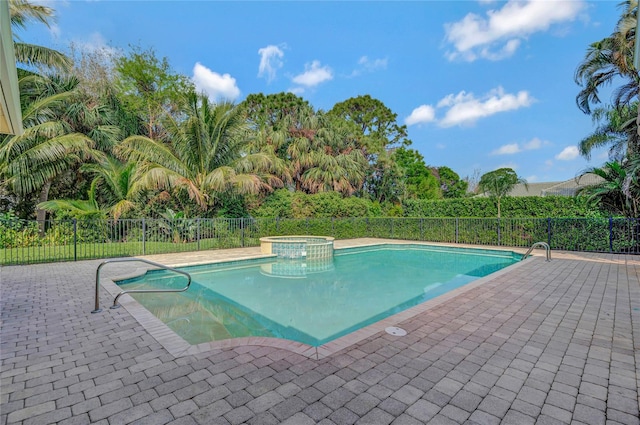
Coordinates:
[22,12]
[50,145]
[207,154]
[609,61]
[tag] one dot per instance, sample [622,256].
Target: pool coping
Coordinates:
[178,347]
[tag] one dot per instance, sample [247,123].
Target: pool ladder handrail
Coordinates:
[123,260]
[544,245]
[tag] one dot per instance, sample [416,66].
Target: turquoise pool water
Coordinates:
[310,302]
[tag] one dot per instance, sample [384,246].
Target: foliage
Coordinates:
[498,183]
[147,85]
[53,140]
[284,203]
[420,182]
[527,206]
[206,155]
[23,12]
[450,183]
[272,110]
[375,121]
[606,62]
[619,192]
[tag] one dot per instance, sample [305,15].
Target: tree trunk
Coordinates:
[41,214]
[498,207]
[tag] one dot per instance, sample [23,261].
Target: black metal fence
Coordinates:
[24,242]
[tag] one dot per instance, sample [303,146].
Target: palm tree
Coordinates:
[619,191]
[498,183]
[121,184]
[77,208]
[50,145]
[23,12]
[206,155]
[616,129]
[323,155]
[608,61]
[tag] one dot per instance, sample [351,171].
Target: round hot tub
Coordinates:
[309,247]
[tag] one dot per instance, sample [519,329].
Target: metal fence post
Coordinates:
[457,229]
[499,235]
[75,239]
[422,229]
[144,241]
[198,232]
[242,232]
[549,231]
[610,234]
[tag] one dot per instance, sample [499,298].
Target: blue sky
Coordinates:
[480,84]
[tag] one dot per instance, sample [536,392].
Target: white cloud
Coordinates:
[94,43]
[270,61]
[369,65]
[533,144]
[532,179]
[215,85]
[422,114]
[513,148]
[507,149]
[569,153]
[465,109]
[313,75]
[373,64]
[498,35]
[441,146]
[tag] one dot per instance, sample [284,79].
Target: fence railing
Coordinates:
[24,242]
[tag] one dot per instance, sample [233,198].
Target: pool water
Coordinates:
[307,302]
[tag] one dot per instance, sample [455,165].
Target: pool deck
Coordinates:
[540,342]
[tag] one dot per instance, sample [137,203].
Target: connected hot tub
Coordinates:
[296,247]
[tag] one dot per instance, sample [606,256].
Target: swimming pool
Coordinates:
[307,302]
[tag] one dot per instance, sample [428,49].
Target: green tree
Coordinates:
[450,183]
[323,155]
[498,183]
[375,121]
[420,182]
[207,154]
[148,87]
[271,110]
[51,143]
[378,133]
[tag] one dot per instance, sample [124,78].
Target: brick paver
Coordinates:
[547,342]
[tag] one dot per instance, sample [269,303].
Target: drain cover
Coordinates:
[392,330]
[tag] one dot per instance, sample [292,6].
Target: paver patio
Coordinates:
[545,342]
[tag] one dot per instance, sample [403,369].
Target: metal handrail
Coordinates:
[124,260]
[537,244]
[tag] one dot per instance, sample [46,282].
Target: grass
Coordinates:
[86,251]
